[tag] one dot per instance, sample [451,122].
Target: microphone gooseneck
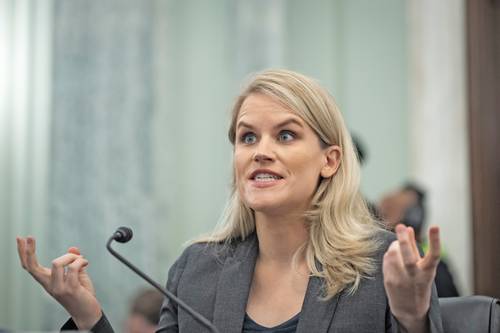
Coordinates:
[123,235]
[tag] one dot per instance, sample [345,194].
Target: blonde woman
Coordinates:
[298,250]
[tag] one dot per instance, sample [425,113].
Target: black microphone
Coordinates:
[123,235]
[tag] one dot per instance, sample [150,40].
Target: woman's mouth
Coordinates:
[265,179]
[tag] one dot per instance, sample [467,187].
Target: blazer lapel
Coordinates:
[233,287]
[317,314]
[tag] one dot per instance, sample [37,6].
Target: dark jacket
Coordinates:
[215,280]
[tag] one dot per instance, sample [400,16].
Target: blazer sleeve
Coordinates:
[102,326]
[434,316]
[168,313]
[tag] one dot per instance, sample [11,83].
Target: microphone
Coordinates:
[123,235]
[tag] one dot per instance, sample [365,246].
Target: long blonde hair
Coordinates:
[341,229]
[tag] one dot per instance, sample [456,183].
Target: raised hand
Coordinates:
[66,281]
[408,277]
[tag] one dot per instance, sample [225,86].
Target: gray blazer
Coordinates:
[215,280]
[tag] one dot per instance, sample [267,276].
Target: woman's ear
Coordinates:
[333,155]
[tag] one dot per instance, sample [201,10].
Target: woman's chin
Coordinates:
[271,208]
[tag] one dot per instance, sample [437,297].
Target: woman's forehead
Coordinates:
[257,106]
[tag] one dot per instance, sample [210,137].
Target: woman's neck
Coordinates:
[280,237]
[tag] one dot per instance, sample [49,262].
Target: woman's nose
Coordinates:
[264,151]
[259,157]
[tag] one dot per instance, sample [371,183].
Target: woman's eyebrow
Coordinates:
[288,122]
[282,124]
[244,124]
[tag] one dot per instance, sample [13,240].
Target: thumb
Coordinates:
[74,250]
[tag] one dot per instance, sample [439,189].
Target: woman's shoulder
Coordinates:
[383,238]
[217,251]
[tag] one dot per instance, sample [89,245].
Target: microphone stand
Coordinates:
[164,291]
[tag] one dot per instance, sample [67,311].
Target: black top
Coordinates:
[289,326]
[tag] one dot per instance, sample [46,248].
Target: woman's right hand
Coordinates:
[67,281]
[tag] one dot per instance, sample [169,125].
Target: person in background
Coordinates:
[361,153]
[144,313]
[407,206]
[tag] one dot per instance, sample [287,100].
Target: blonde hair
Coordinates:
[341,229]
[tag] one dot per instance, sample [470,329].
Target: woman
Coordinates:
[298,251]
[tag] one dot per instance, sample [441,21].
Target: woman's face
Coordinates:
[278,159]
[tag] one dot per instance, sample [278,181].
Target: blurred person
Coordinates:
[298,250]
[362,155]
[407,206]
[144,312]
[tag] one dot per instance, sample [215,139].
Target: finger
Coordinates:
[31,259]
[74,269]
[74,250]
[392,258]
[39,272]
[26,250]
[392,266]
[57,276]
[34,267]
[431,259]
[413,242]
[409,259]
[21,251]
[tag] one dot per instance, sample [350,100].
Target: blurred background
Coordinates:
[115,113]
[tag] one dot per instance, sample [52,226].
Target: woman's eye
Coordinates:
[286,136]
[248,138]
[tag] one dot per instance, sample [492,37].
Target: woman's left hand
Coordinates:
[408,278]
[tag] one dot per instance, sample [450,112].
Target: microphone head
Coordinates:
[123,234]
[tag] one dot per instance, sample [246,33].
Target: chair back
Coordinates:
[471,314]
